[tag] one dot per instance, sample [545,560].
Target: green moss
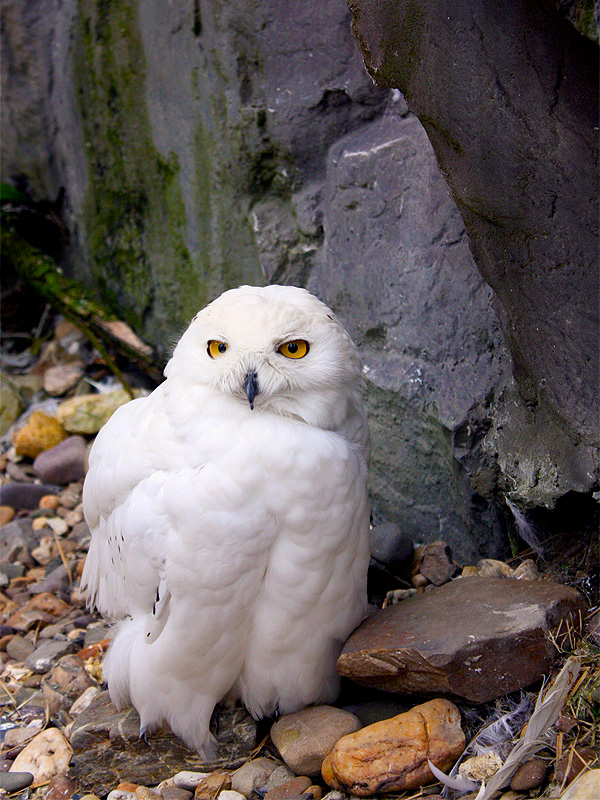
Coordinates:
[582,15]
[135,222]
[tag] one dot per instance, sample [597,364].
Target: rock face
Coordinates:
[474,638]
[286,165]
[391,756]
[396,268]
[106,744]
[526,188]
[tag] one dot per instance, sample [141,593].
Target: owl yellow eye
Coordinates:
[216,348]
[298,348]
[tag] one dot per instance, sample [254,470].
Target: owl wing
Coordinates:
[122,503]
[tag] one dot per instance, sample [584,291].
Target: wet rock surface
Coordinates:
[107,747]
[474,638]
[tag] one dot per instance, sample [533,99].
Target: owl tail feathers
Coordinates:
[128,670]
[194,732]
[116,668]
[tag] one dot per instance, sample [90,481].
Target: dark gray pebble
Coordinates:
[389,545]
[15,781]
[84,620]
[23,495]
[173,793]
[63,463]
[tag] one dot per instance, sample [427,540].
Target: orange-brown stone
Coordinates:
[391,756]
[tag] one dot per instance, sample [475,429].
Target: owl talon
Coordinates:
[215,720]
[143,736]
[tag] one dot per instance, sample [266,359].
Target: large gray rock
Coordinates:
[474,638]
[517,141]
[107,746]
[397,269]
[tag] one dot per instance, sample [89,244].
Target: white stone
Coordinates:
[480,768]
[58,380]
[58,525]
[46,755]
[188,780]
[83,701]
[230,794]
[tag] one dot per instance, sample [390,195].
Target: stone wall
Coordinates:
[191,146]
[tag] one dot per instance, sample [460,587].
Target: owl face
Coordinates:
[274,347]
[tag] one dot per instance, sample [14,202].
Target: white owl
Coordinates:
[230,519]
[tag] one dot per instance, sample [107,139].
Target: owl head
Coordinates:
[272,348]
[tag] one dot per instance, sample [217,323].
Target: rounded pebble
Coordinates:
[252,775]
[143,793]
[189,780]
[47,754]
[6,515]
[60,788]
[293,788]
[50,502]
[306,737]
[530,775]
[173,793]
[15,781]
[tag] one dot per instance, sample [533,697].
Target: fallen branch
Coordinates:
[74,302]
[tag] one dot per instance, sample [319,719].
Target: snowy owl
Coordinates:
[230,519]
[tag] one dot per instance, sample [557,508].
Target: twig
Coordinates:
[63,557]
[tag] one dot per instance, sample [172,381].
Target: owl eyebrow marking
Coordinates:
[289,338]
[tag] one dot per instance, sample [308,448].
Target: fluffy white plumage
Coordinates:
[233,543]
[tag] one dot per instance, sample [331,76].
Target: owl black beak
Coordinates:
[251,387]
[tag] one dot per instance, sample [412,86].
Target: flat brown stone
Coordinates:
[473,638]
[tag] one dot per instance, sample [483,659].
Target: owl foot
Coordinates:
[215,720]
